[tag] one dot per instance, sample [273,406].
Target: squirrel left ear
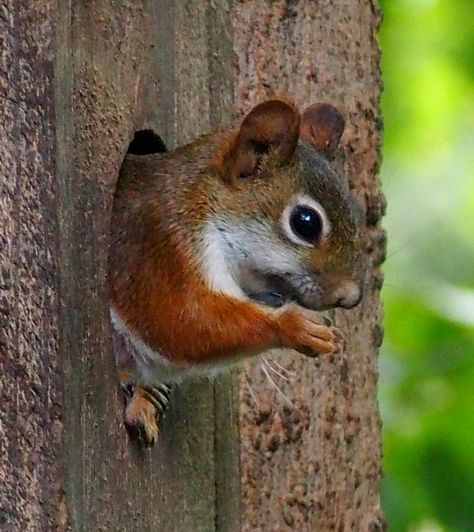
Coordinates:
[273,124]
[322,126]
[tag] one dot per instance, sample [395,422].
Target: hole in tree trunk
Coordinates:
[146,141]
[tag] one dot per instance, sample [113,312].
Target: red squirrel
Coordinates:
[230,246]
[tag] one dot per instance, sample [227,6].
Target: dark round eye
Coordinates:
[306,223]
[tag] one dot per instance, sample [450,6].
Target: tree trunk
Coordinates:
[76,80]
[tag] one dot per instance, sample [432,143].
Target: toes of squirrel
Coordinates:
[143,409]
[141,420]
[308,332]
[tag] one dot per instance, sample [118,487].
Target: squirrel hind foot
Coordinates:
[144,407]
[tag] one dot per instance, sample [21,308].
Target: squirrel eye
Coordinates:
[306,223]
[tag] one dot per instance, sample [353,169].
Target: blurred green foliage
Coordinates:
[427,361]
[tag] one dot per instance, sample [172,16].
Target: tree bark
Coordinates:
[76,80]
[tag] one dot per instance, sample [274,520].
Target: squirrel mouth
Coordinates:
[275,291]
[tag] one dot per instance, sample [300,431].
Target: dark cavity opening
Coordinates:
[146,141]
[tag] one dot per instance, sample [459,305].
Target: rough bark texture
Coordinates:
[76,79]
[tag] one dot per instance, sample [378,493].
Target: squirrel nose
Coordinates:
[347,295]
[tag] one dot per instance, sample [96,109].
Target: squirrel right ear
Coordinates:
[271,125]
[322,126]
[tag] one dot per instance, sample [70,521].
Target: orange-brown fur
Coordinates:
[155,279]
[162,204]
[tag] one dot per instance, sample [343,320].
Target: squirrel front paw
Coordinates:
[143,409]
[307,331]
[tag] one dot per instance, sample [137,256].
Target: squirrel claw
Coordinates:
[159,395]
[144,407]
[335,345]
[339,342]
[308,331]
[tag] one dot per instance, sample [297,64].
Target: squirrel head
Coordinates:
[284,218]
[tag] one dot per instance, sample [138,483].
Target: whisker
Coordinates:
[388,285]
[404,244]
[250,389]
[275,386]
[270,367]
[282,368]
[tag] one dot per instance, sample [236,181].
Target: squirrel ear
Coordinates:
[273,124]
[322,126]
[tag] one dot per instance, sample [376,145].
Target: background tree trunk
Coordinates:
[76,80]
